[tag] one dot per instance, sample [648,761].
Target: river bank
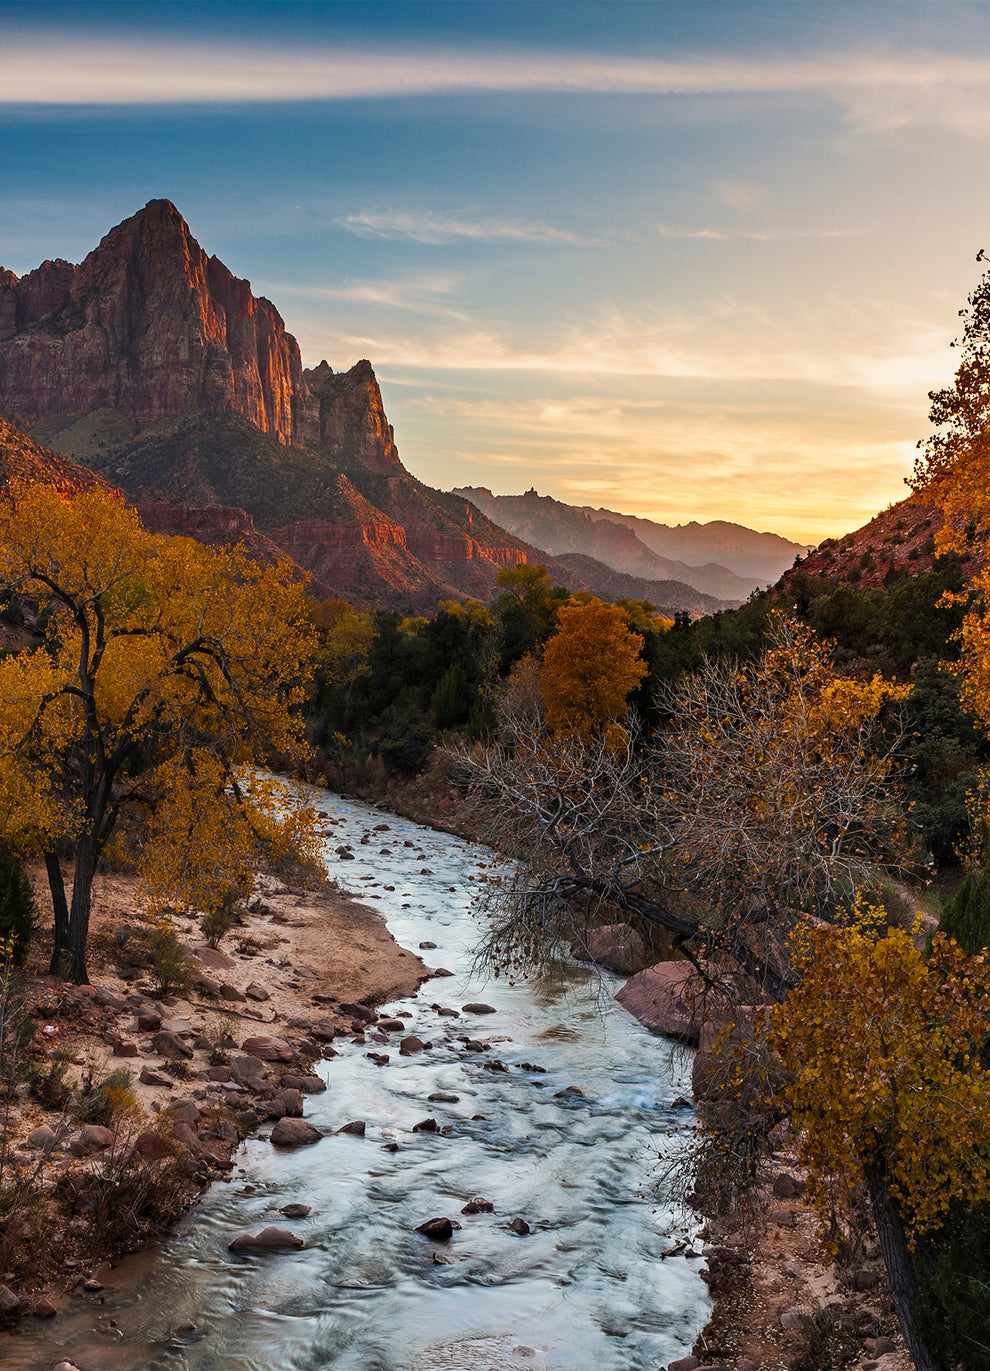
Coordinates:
[548,1129]
[302,957]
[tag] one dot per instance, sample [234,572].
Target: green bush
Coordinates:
[953,1310]
[16,905]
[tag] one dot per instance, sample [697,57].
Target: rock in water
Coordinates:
[270,1239]
[440,1230]
[290,1132]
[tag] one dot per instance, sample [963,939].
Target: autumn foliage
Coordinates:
[166,670]
[883,1049]
[590,668]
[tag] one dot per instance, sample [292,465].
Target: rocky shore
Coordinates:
[186,1075]
[236,1050]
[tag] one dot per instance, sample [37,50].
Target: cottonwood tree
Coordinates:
[590,668]
[882,1050]
[772,790]
[163,672]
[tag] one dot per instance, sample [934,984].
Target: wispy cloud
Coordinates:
[427,294]
[427,227]
[894,359]
[879,92]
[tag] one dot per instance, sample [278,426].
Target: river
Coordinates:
[585,1289]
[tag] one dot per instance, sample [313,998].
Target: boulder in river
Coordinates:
[479,1205]
[440,1230]
[295,1133]
[476,1008]
[270,1239]
[616,947]
[356,1128]
[661,998]
[408,1047]
[296,1211]
[519,1226]
[425,1126]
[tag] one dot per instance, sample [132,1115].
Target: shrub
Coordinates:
[16,905]
[170,964]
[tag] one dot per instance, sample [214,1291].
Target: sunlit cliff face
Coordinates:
[687,261]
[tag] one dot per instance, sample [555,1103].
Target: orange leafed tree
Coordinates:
[590,668]
[882,1048]
[165,672]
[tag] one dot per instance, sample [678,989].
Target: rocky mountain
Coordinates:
[670,597]
[562,528]
[24,460]
[898,541]
[153,366]
[741,550]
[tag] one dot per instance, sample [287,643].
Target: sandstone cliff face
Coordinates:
[150,326]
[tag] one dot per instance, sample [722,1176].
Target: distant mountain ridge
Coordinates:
[739,549]
[628,544]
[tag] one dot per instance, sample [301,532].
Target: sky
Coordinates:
[688,259]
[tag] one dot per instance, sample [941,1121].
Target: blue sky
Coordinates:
[682,259]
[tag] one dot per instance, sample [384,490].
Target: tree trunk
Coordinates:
[899,1262]
[60,910]
[82,891]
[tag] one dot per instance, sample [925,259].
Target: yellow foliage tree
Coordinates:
[953,472]
[883,1051]
[774,780]
[590,668]
[166,671]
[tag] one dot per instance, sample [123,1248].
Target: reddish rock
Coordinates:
[307,1084]
[270,1239]
[231,994]
[360,1012]
[295,1133]
[212,956]
[149,1023]
[440,1230]
[124,1049]
[44,1309]
[661,998]
[92,1137]
[519,1227]
[257,993]
[409,1046]
[170,1045]
[356,1128]
[268,1049]
[296,1211]
[478,1009]
[479,1205]
[289,1102]
[323,1030]
[149,1077]
[788,1187]
[152,1146]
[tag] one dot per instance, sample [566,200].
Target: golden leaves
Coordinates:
[590,668]
[883,1052]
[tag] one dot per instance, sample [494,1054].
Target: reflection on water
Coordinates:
[584,1289]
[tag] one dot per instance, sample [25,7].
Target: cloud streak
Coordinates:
[437,228]
[879,91]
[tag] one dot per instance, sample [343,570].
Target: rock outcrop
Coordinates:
[156,367]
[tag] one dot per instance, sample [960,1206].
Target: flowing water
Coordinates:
[584,1290]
